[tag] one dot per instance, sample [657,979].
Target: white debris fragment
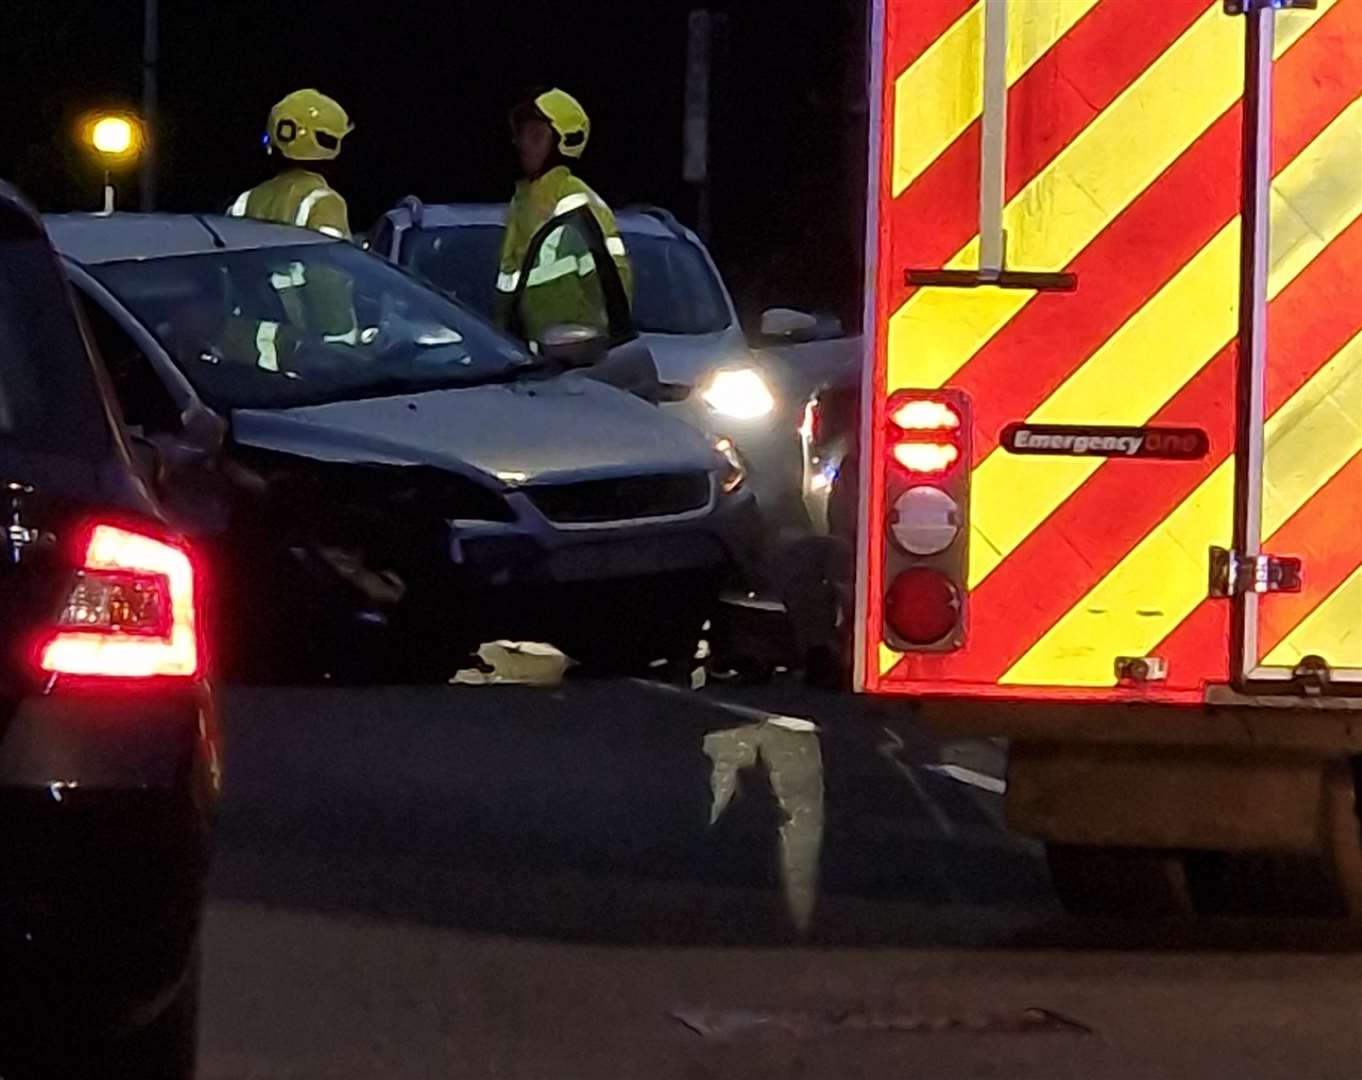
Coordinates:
[515,663]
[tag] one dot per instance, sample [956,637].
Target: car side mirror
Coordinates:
[199,440]
[671,393]
[787,324]
[573,345]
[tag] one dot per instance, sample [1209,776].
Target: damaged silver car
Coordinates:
[384,478]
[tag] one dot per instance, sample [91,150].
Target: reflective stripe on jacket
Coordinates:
[296,197]
[562,286]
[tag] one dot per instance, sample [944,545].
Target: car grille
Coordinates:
[625,499]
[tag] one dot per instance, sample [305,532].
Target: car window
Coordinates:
[304,324]
[381,240]
[144,399]
[675,289]
[48,398]
[461,260]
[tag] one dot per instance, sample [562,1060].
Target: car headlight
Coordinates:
[736,473]
[740,393]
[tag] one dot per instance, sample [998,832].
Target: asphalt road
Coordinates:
[615,879]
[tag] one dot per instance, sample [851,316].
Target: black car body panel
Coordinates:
[107,786]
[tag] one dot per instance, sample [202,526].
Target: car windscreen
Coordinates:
[48,398]
[675,290]
[305,324]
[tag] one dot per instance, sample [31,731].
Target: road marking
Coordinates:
[969,776]
[747,712]
[890,750]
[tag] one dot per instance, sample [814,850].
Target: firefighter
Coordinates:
[550,132]
[306,128]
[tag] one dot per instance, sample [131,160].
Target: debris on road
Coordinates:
[515,663]
[807,1024]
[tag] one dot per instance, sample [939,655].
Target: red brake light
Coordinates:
[920,414]
[922,606]
[926,434]
[132,612]
[926,457]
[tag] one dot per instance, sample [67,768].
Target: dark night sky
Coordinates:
[429,86]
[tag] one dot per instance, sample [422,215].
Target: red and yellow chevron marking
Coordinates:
[1123,167]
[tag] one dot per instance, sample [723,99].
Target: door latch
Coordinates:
[1233,574]
[1141,669]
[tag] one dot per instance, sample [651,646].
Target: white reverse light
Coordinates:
[739,393]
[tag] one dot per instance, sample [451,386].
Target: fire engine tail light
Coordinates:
[927,441]
[132,611]
[922,606]
[925,520]
[927,458]
[921,414]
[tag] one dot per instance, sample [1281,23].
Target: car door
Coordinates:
[568,276]
[162,415]
[59,449]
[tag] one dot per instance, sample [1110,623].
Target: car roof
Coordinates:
[103,238]
[451,215]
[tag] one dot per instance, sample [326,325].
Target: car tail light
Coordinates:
[927,535]
[132,611]
[812,426]
[922,606]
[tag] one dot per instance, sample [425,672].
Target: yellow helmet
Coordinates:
[565,115]
[308,126]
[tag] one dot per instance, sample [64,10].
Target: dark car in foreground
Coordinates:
[109,768]
[388,477]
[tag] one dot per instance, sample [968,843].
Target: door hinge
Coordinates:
[1233,574]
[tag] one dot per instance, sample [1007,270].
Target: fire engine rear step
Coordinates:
[1156,830]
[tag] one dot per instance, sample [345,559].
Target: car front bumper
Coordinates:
[772,450]
[725,540]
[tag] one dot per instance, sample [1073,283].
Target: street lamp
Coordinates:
[112,135]
[117,139]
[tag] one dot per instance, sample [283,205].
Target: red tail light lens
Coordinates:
[926,434]
[928,458]
[922,606]
[132,612]
[920,414]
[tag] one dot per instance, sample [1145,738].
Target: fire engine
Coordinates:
[1111,484]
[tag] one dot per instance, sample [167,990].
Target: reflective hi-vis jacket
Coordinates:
[316,302]
[562,286]
[296,197]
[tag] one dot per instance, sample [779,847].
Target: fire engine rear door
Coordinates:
[1299,492]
